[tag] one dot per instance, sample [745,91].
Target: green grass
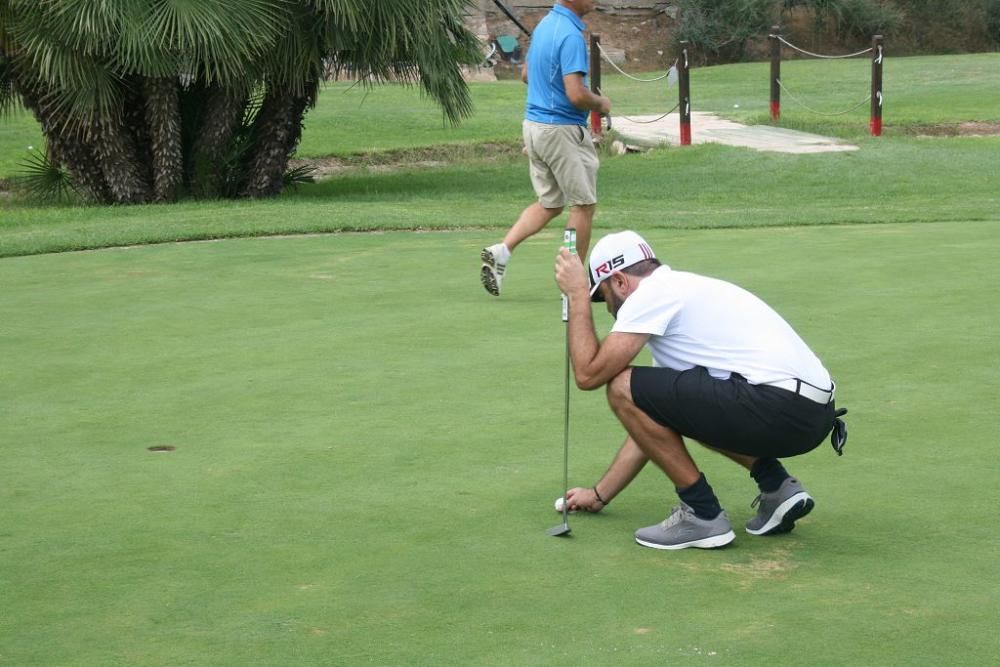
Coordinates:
[367,446]
[899,180]
[18,133]
[350,119]
[918,91]
[367,449]
[703,186]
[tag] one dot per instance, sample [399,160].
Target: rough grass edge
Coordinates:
[195,237]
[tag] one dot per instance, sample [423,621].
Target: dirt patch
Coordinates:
[646,39]
[776,566]
[413,158]
[966,129]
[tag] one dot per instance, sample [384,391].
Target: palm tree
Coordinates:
[144,100]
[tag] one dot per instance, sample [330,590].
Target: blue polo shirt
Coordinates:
[557,49]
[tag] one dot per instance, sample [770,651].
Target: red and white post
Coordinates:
[775,38]
[876,115]
[684,86]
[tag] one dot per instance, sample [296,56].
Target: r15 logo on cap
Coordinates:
[607,267]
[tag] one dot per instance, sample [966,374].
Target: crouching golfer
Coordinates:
[727,371]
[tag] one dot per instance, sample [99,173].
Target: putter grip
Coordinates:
[569,242]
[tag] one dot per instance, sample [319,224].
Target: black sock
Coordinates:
[769,474]
[700,497]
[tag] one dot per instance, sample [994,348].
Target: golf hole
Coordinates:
[161,448]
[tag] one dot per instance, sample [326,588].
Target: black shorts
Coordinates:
[734,415]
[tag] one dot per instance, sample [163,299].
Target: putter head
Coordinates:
[558,531]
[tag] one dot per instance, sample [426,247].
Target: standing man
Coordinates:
[563,161]
[727,371]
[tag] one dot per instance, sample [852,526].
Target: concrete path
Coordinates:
[706,127]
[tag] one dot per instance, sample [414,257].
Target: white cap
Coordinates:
[613,253]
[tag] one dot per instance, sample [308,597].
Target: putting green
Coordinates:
[366,448]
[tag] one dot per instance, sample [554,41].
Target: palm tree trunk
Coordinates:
[164,123]
[277,130]
[137,127]
[116,152]
[70,149]
[220,115]
[102,156]
[67,144]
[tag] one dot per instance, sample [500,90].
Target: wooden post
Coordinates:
[876,116]
[595,81]
[775,72]
[684,86]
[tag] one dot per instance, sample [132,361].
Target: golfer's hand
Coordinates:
[605,105]
[570,275]
[583,499]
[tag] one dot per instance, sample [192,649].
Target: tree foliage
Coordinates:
[146,100]
[726,30]
[719,30]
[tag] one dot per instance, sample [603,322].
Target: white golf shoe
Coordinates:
[493,269]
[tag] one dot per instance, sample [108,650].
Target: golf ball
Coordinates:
[559,503]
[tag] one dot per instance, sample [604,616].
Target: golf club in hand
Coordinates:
[569,242]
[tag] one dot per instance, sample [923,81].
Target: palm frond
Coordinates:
[81,84]
[298,175]
[423,42]
[43,180]
[222,36]
[84,68]
[8,99]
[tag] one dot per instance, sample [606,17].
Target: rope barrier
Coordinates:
[486,59]
[634,78]
[822,113]
[642,122]
[816,55]
[655,120]
[629,76]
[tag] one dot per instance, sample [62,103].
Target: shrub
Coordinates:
[849,19]
[992,22]
[719,30]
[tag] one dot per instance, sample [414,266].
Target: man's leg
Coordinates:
[581,219]
[662,445]
[495,258]
[767,472]
[700,521]
[531,221]
[720,413]
[782,500]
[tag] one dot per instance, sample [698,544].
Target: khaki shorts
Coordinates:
[563,164]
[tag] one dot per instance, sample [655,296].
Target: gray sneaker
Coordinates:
[778,511]
[682,529]
[492,272]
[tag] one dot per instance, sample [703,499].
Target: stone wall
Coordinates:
[637,32]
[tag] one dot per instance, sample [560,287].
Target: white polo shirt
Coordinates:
[694,320]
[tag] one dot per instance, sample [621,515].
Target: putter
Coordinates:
[569,242]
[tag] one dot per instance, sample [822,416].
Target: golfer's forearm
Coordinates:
[589,102]
[626,465]
[582,97]
[583,343]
